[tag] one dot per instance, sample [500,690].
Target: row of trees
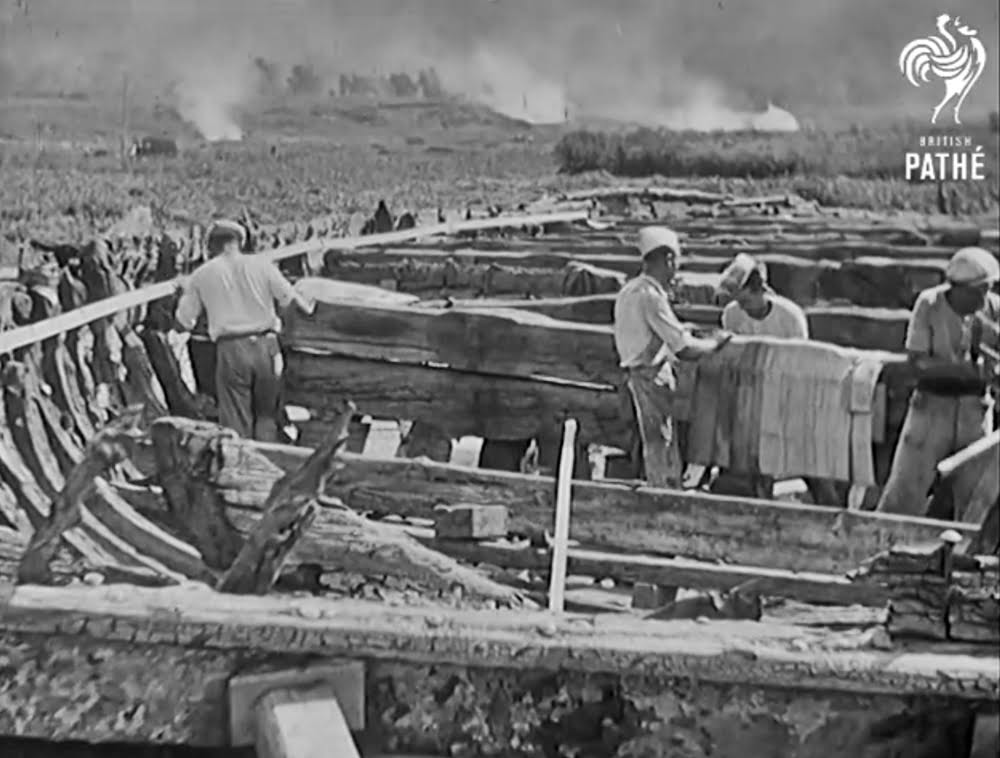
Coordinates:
[305,80]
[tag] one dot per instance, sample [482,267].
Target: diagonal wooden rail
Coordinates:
[27,335]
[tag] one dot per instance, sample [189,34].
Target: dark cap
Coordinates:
[224,231]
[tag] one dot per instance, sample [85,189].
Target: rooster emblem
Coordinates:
[957,62]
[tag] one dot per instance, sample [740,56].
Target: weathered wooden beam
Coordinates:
[498,341]
[629,517]
[870,281]
[519,338]
[459,403]
[186,457]
[336,539]
[807,587]
[289,510]
[510,639]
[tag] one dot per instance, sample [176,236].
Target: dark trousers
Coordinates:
[248,385]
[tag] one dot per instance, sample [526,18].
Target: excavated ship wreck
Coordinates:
[368,590]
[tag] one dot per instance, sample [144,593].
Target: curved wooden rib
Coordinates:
[34,502]
[80,345]
[121,518]
[30,437]
[103,451]
[60,373]
[141,385]
[179,398]
[11,511]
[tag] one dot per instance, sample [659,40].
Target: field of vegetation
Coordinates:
[66,182]
[857,167]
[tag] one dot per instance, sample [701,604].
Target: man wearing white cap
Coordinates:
[237,294]
[754,308]
[650,339]
[950,408]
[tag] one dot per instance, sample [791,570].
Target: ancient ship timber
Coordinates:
[170,583]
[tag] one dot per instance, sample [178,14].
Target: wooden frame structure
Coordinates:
[149,640]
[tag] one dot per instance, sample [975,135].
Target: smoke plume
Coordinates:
[677,63]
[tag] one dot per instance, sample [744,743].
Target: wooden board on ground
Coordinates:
[630,518]
[726,652]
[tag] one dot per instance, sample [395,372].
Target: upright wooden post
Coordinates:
[564,481]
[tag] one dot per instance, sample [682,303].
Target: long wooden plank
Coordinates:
[459,403]
[807,587]
[982,448]
[632,518]
[700,254]
[845,325]
[870,281]
[26,335]
[774,655]
[499,341]
[513,337]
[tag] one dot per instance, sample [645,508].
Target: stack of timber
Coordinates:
[937,594]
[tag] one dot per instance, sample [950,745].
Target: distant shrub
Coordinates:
[857,152]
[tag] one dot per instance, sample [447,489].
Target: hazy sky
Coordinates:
[808,55]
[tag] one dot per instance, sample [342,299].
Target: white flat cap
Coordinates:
[653,237]
[735,275]
[972,265]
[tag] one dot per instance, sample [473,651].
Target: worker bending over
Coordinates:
[238,294]
[950,407]
[649,340]
[754,309]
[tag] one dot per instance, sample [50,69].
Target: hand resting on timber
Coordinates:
[734,605]
[698,347]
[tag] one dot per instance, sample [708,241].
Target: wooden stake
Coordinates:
[564,480]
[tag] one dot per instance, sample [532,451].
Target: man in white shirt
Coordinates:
[951,406]
[754,308]
[649,340]
[240,295]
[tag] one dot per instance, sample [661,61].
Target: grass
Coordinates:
[300,163]
[857,167]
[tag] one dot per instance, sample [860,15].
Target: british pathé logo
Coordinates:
[956,57]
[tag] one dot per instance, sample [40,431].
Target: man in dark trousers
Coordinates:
[238,294]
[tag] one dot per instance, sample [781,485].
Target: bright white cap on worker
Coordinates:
[652,237]
[735,275]
[972,265]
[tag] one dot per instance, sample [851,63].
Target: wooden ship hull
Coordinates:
[157,583]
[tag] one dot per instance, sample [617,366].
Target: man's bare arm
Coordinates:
[305,304]
[699,347]
[189,307]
